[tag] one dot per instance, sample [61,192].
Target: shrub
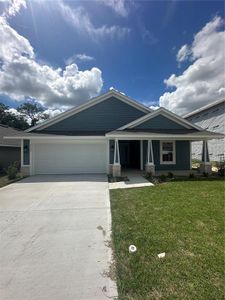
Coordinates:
[155,180]
[149,175]
[205,174]
[11,172]
[221,171]
[191,175]
[170,175]
[16,164]
[2,170]
[162,177]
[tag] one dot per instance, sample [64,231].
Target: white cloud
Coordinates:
[12,44]
[183,53]
[22,76]
[80,19]
[120,7]
[203,81]
[153,107]
[147,36]
[13,7]
[78,58]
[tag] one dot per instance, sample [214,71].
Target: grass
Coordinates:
[184,219]
[5,181]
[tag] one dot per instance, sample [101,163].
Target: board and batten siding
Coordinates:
[159,122]
[103,117]
[182,156]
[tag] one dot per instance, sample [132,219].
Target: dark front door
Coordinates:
[130,154]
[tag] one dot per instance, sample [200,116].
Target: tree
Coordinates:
[12,120]
[34,111]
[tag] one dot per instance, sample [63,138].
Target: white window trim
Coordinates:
[22,155]
[174,153]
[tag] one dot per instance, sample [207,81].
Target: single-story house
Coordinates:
[10,149]
[110,133]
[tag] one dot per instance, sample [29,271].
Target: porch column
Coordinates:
[116,168]
[150,166]
[205,165]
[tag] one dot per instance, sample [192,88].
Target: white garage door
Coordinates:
[69,158]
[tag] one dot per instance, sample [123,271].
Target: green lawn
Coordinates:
[185,220]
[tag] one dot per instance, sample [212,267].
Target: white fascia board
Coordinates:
[13,146]
[35,137]
[89,104]
[201,109]
[160,137]
[164,112]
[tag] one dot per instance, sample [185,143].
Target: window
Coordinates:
[26,152]
[167,152]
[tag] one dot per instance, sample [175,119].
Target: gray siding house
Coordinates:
[109,134]
[9,149]
[210,117]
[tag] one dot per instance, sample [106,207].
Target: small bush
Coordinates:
[221,171]
[162,177]
[149,175]
[191,175]
[205,174]
[16,164]
[170,175]
[11,172]
[2,170]
[155,180]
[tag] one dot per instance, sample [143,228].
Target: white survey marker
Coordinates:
[132,249]
[161,255]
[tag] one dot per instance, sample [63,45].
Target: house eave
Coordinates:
[201,109]
[154,136]
[54,137]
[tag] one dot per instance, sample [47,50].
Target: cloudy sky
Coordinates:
[162,53]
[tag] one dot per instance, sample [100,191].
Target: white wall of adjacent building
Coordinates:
[212,119]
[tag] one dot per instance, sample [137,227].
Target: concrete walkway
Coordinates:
[136,179]
[54,231]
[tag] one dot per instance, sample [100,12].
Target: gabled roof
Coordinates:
[164,112]
[9,131]
[92,102]
[210,105]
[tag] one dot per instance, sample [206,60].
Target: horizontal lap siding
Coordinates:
[182,156]
[105,116]
[159,122]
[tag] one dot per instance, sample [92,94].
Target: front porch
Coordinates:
[154,156]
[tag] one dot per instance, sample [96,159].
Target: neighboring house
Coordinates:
[210,117]
[109,133]
[10,150]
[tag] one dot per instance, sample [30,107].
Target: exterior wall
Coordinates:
[212,119]
[160,122]
[182,156]
[25,170]
[103,117]
[8,155]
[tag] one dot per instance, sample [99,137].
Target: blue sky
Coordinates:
[133,44]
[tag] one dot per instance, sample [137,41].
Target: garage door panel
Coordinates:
[76,158]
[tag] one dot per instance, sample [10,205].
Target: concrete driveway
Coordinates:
[53,234]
